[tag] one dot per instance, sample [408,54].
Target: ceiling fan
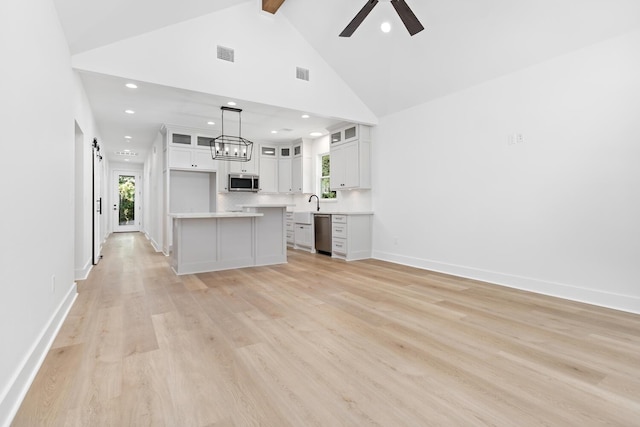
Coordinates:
[404,11]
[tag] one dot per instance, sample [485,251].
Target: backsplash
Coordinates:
[356,200]
[232,201]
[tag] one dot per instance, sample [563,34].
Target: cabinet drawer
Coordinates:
[290,236]
[339,230]
[339,246]
[289,225]
[342,219]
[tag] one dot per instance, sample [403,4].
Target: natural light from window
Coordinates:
[325,181]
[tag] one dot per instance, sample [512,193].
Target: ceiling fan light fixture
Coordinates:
[409,19]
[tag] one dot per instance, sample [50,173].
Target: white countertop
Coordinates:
[339,212]
[215,215]
[266,205]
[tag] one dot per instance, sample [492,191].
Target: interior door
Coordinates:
[96,192]
[127,201]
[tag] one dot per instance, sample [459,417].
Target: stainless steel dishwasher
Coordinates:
[322,229]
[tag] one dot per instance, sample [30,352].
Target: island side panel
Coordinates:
[271,236]
[237,242]
[195,246]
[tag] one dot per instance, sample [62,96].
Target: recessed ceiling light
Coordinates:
[385,27]
[132,86]
[305,116]
[231,103]
[274,131]
[316,134]
[126,160]
[129,111]
[126,151]
[210,123]
[127,137]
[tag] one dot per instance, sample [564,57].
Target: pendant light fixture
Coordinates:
[230,147]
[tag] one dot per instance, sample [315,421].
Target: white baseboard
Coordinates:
[156,246]
[83,273]
[19,385]
[561,290]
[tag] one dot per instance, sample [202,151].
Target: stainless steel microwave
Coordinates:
[243,182]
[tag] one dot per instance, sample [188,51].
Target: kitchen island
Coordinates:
[270,232]
[223,240]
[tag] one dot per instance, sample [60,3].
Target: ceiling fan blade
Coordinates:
[355,22]
[408,17]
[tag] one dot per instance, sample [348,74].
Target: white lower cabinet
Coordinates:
[289,230]
[351,236]
[303,236]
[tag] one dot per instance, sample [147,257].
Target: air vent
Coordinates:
[226,54]
[302,73]
[126,153]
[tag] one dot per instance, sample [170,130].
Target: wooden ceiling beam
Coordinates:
[271,6]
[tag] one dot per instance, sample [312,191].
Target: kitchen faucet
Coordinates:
[317,201]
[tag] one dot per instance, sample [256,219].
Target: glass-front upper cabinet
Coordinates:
[346,134]
[180,139]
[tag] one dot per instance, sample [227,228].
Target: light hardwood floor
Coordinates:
[319,342]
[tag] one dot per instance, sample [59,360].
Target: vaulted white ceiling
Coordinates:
[466,42]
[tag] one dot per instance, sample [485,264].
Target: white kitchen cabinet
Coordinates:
[351,236]
[345,134]
[180,139]
[301,173]
[303,236]
[190,158]
[268,169]
[350,159]
[289,228]
[250,167]
[284,169]
[347,167]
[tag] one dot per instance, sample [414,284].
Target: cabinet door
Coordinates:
[202,160]
[269,175]
[180,158]
[303,235]
[296,175]
[243,167]
[336,137]
[350,133]
[180,139]
[284,175]
[352,165]
[337,166]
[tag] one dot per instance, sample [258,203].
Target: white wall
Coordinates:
[88,130]
[37,171]
[153,194]
[558,214]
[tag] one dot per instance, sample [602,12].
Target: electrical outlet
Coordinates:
[53,284]
[515,138]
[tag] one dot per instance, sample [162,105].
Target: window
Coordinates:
[325,182]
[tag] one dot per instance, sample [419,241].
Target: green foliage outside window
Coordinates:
[127,189]
[325,182]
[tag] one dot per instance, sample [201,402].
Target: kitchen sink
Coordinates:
[302,217]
